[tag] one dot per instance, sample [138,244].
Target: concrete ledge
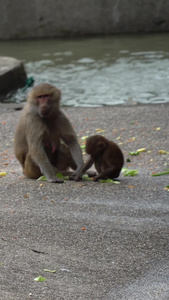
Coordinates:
[12,75]
[39,19]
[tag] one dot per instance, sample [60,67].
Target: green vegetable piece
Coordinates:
[40,279]
[134,153]
[131,173]
[86,177]
[61,176]
[51,271]
[127,172]
[159,174]
[42,178]
[109,181]
[82,146]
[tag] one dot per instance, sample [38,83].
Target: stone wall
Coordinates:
[41,18]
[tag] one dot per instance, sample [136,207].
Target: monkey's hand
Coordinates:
[75,176]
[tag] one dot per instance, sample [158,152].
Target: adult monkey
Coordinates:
[39,133]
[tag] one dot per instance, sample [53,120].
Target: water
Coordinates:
[97,71]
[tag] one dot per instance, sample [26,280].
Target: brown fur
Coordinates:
[106,156]
[40,130]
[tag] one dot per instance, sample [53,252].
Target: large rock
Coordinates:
[12,75]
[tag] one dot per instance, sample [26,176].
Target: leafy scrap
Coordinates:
[109,181]
[59,175]
[87,178]
[40,279]
[134,153]
[161,173]
[127,172]
[50,271]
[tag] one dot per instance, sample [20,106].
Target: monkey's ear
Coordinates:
[57,93]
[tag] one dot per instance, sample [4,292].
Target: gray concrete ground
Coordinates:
[105,241]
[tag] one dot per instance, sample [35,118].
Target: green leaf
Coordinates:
[159,174]
[109,181]
[42,178]
[40,279]
[51,271]
[124,170]
[61,176]
[127,172]
[134,153]
[86,177]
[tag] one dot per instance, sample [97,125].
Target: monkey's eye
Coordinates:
[43,96]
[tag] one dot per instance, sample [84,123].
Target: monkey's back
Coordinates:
[111,160]
[116,154]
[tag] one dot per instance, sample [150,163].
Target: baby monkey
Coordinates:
[106,156]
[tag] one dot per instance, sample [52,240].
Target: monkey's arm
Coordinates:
[87,165]
[68,135]
[76,154]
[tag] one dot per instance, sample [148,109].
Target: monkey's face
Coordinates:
[45,104]
[44,100]
[95,145]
